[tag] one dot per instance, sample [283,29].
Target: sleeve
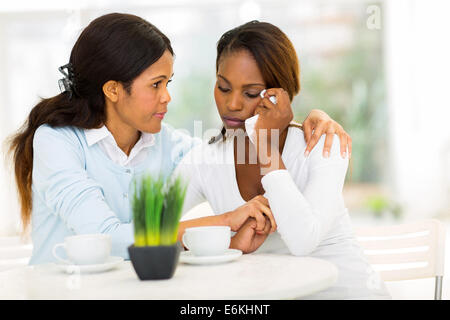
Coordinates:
[60,179]
[304,218]
[188,169]
[181,144]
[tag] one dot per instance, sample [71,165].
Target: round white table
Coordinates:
[252,276]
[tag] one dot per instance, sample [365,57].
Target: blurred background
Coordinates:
[380,68]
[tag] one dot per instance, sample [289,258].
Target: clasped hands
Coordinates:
[252,222]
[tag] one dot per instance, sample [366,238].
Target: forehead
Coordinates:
[240,66]
[162,67]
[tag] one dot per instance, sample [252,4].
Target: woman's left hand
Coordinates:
[321,123]
[247,238]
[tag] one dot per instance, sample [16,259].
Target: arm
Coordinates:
[190,170]
[60,179]
[278,116]
[304,218]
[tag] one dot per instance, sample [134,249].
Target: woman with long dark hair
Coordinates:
[76,154]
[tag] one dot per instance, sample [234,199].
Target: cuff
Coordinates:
[276,180]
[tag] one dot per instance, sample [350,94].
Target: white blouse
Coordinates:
[306,201]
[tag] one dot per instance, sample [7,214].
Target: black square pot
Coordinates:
[155,262]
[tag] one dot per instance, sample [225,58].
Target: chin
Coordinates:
[152,128]
[242,127]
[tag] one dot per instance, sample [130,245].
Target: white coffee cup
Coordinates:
[85,249]
[207,241]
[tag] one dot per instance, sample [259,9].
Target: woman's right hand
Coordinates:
[257,208]
[273,116]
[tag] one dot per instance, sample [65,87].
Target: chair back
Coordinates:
[407,251]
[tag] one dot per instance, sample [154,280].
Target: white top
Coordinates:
[108,144]
[306,201]
[248,277]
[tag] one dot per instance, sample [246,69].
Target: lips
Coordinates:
[233,122]
[160,115]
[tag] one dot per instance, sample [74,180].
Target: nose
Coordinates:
[234,102]
[165,97]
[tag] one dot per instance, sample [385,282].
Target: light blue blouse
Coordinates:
[78,189]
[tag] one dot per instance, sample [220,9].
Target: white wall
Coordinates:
[418,70]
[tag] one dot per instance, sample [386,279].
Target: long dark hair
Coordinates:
[112,47]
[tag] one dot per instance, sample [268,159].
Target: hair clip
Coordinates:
[66,83]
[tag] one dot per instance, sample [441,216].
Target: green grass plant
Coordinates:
[156,204]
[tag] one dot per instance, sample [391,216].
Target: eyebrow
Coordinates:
[245,85]
[162,76]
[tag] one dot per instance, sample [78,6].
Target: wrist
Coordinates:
[233,243]
[224,219]
[272,163]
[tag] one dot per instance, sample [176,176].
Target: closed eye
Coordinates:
[223,89]
[252,96]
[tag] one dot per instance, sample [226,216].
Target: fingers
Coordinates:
[268,213]
[273,92]
[343,142]
[251,222]
[262,211]
[262,199]
[328,143]
[281,95]
[260,220]
[267,103]
[307,130]
[318,131]
[270,223]
[267,228]
[349,140]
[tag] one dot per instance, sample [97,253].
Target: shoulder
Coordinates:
[335,147]
[176,143]
[317,159]
[205,155]
[181,139]
[46,134]
[170,134]
[56,146]
[296,146]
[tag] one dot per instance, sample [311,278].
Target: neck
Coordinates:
[249,146]
[281,141]
[126,137]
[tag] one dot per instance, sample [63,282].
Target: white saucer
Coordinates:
[229,255]
[90,268]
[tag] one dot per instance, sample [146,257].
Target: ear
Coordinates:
[111,90]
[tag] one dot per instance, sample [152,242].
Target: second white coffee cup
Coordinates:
[85,249]
[207,241]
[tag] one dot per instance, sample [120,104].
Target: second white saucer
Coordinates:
[90,268]
[229,255]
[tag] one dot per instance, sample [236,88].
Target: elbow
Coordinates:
[302,250]
[304,242]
